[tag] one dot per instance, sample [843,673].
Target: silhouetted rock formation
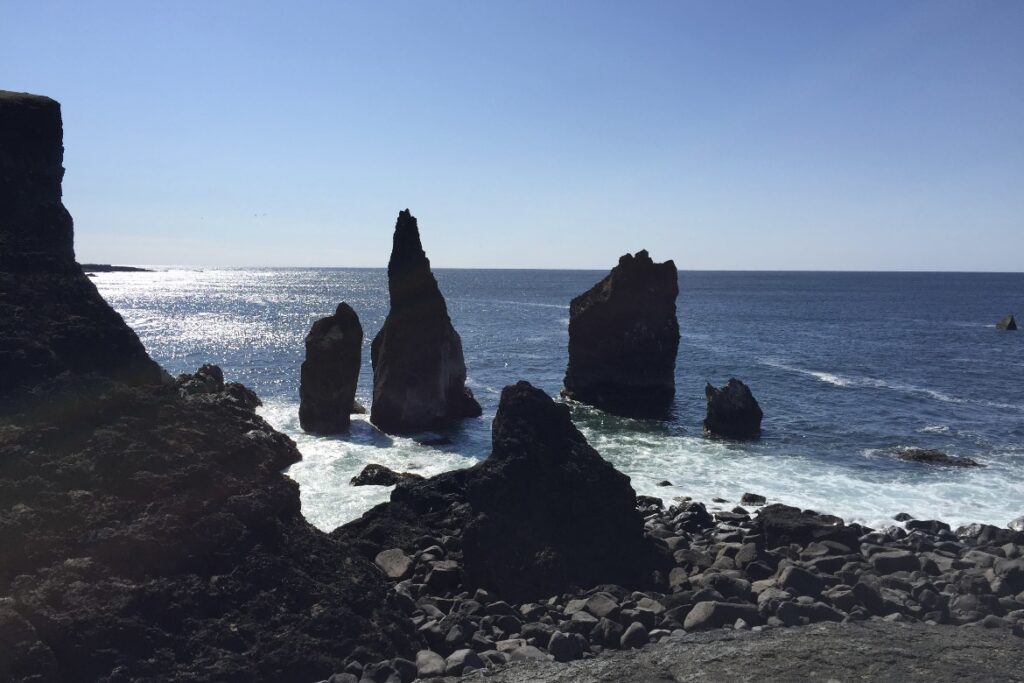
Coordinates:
[107,268]
[419,374]
[543,512]
[733,411]
[379,475]
[931,456]
[623,340]
[146,530]
[1007,323]
[52,319]
[327,392]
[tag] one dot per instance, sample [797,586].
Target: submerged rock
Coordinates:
[545,511]
[379,475]
[1007,323]
[52,318]
[934,457]
[733,411]
[327,391]
[623,340]
[419,374]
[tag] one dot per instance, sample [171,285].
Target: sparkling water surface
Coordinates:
[848,367]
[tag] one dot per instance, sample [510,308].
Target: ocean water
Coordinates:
[848,367]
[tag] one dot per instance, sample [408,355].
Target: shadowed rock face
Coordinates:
[52,319]
[623,340]
[733,411]
[419,374]
[1007,323]
[146,530]
[545,511]
[327,391]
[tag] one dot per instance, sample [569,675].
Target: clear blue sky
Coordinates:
[725,135]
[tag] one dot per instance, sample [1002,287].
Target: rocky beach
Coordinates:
[148,531]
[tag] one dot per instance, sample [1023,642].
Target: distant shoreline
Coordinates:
[107,268]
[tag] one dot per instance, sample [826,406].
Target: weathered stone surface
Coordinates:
[1007,323]
[379,475]
[732,411]
[623,340]
[52,319]
[931,456]
[394,563]
[330,372]
[419,374]
[708,615]
[780,525]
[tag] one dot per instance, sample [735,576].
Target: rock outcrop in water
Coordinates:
[544,512]
[419,374]
[930,456]
[52,319]
[623,340]
[379,475]
[327,391]
[146,530]
[1007,323]
[733,411]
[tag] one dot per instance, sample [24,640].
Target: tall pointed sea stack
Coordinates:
[419,374]
[52,319]
[623,340]
[327,391]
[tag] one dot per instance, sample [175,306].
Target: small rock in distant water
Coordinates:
[719,500]
[1007,323]
[934,457]
[903,517]
[664,482]
[753,499]
[733,411]
[378,475]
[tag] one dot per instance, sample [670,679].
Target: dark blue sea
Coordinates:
[848,367]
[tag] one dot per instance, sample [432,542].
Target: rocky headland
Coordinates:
[419,373]
[623,340]
[146,529]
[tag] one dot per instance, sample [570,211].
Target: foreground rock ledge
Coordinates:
[419,373]
[146,530]
[623,340]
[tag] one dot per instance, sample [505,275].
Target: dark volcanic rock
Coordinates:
[623,340]
[327,392]
[934,457]
[52,319]
[107,268]
[545,511]
[1007,323]
[419,374]
[378,475]
[779,525]
[733,411]
[146,530]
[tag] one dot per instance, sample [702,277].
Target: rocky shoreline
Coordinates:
[148,533]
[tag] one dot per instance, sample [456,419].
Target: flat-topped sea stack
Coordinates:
[623,340]
[419,374]
[327,391]
[52,318]
[733,412]
[544,512]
